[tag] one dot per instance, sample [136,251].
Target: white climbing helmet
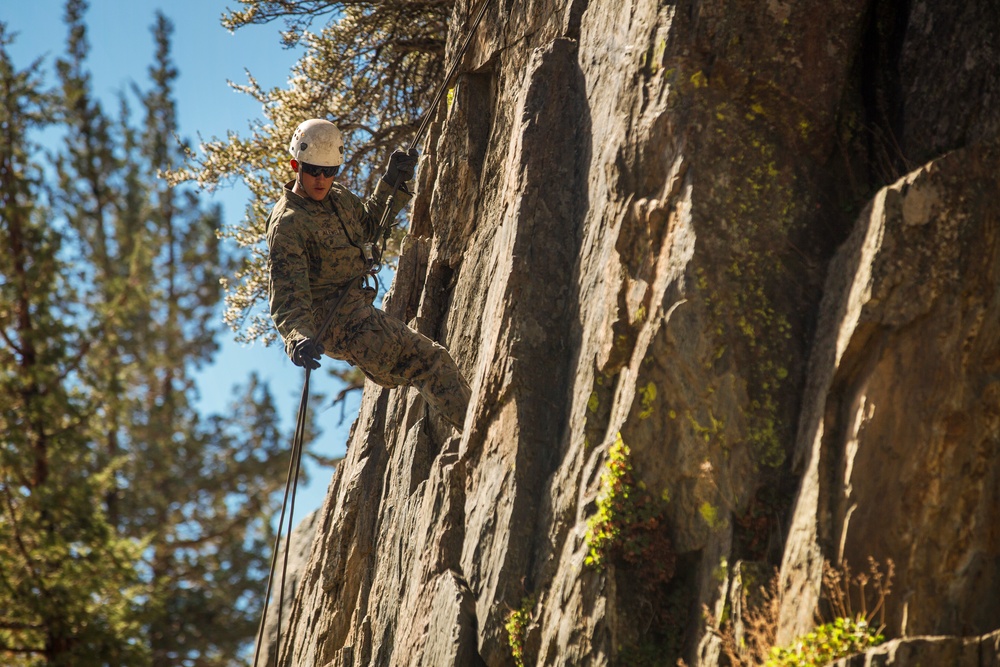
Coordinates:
[317,141]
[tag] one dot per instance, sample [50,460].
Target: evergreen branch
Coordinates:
[22,547]
[302,13]
[341,398]
[328,461]
[74,363]
[6,648]
[10,343]
[239,521]
[72,426]
[19,625]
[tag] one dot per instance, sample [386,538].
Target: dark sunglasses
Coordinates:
[316,170]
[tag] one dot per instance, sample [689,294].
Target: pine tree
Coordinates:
[133,531]
[66,577]
[208,492]
[197,494]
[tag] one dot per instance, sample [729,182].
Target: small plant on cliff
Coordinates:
[759,616]
[853,626]
[826,643]
[517,628]
[628,524]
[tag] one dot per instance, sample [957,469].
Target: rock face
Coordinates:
[902,416]
[746,254]
[981,651]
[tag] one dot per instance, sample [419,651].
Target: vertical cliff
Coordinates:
[739,257]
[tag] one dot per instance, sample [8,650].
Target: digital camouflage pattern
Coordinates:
[314,254]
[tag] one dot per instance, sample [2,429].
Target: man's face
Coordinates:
[313,182]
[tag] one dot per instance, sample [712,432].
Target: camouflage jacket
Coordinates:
[314,251]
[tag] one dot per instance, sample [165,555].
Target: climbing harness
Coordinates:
[373,254]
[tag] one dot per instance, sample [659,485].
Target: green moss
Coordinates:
[628,524]
[517,628]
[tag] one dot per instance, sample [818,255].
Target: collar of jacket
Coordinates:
[307,203]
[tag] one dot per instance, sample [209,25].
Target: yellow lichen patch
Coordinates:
[721,571]
[710,514]
[804,128]
[706,432]
[648,400]
[661,48]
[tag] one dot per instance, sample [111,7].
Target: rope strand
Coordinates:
[383,227]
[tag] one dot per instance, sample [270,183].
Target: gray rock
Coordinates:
[624,229]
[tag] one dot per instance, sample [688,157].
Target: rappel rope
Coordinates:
[384,228]
[375,265]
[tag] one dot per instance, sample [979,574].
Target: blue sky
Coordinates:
[206,56]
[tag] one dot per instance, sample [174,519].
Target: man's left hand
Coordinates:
[400,168]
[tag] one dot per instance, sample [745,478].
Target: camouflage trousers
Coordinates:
[392,354]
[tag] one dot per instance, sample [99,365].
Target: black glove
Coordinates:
[306,353]
[400,168]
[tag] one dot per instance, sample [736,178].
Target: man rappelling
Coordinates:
[319,236]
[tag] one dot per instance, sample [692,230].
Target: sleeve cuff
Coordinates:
[383,189]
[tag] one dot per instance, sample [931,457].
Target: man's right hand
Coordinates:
[306,353]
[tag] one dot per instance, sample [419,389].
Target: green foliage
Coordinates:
[826,643]
[628,524]
[517,628]
[615,508]
[375,89]
[67,580]
[854,605]
[133,531]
